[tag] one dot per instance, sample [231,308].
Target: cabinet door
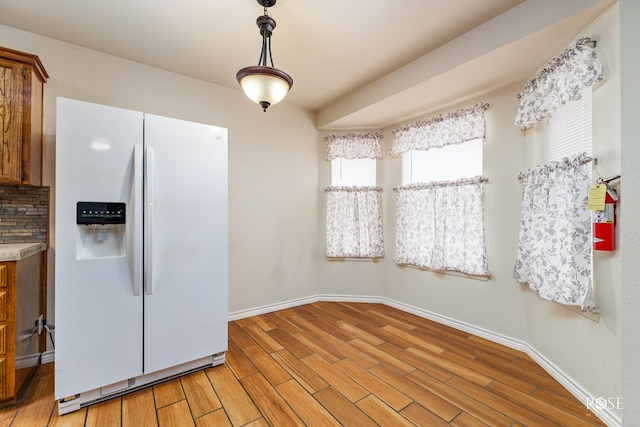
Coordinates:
[4,294]
[11,100]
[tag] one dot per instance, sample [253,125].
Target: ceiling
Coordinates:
[338,52]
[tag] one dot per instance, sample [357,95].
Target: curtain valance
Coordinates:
[455,127]
[562,80]
[353,146]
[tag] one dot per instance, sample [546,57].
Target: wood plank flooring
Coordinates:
[335,364]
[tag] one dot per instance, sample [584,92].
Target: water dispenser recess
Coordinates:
[100,229]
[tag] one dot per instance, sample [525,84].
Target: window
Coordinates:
[439,207]
[446,163]
[354,202]
[566,133]
[555,240]
[353,172]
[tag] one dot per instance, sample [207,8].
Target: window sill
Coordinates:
[354,259]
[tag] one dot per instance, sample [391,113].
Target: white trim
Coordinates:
[48,356]
[462,326]
[27,361]
[350,298]
[604,414]
[241,314]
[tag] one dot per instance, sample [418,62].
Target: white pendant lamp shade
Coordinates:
[264,85]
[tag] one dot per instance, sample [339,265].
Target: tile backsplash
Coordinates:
[24,214]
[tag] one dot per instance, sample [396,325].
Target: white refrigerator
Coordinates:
[141,250]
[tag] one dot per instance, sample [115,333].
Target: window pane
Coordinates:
[353,172]
[567,132]
[447,163]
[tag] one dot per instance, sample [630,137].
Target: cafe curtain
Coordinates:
[354,222]
[440,226]
[555,240]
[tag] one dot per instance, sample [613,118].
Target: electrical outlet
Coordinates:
[40,324]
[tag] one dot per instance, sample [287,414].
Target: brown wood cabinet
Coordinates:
[22,79]
[20,307]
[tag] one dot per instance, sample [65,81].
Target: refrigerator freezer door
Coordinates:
[185,308]
[98,317]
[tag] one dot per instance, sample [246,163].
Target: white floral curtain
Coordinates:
[353,146]
[555,244]
[354,222]
[440,226]
[562,80]
[455,127]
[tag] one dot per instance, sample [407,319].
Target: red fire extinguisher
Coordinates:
[604,223]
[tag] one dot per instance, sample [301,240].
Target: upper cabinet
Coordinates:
[22,79]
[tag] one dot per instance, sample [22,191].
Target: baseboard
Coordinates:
[457,324]
[48,357]
[27,361]
[350,298]
[241,314]
[604,414]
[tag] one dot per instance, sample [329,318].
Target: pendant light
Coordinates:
[263,84]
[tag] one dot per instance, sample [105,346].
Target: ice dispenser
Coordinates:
[100,229]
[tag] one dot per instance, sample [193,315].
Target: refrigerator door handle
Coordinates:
[148,221]
[135,230]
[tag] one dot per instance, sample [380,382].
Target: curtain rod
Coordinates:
[583,160]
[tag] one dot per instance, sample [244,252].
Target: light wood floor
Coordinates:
[331,364]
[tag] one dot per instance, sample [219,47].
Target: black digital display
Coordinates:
[100,213]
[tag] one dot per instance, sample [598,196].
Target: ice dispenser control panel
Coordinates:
[100,213]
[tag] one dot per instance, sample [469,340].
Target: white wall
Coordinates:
[630,230]
[273,208]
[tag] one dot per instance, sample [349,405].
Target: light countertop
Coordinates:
[18,251]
